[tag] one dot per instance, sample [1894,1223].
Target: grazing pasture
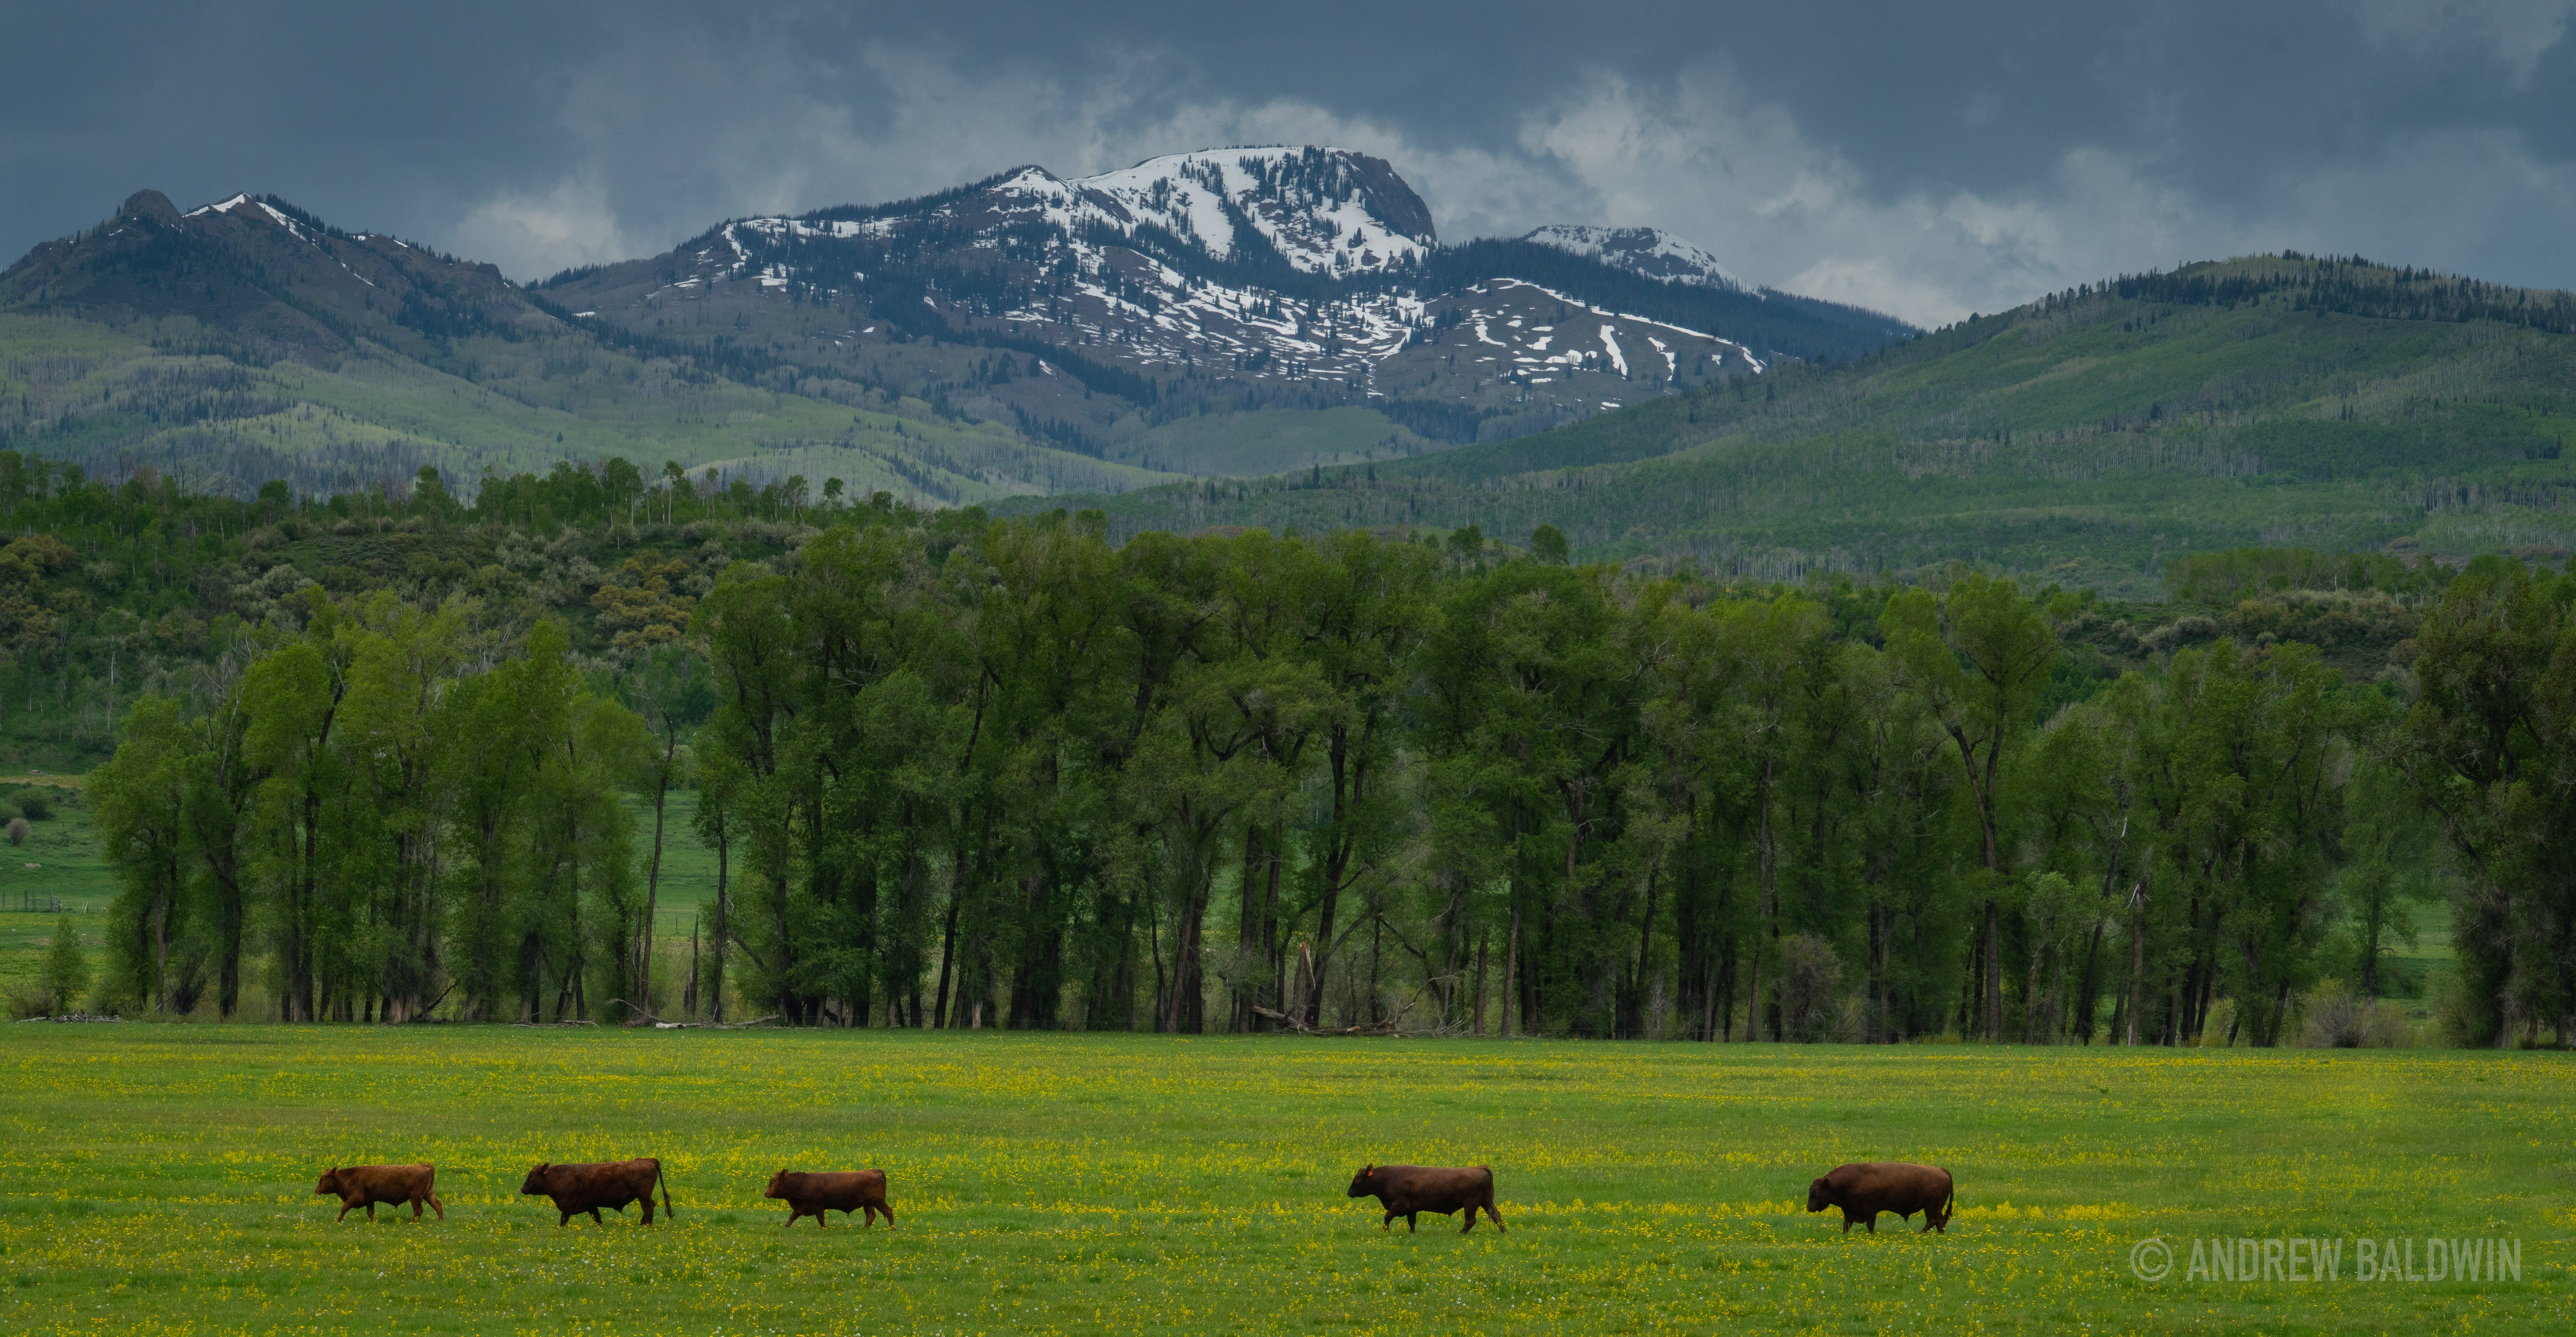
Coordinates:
[160,1178]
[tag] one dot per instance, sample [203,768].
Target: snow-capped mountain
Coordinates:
[280,279]
[1653,252]
[1230,311]
[1323,210]
[1097,310]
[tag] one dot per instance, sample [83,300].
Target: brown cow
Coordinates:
[611,1184]
[367,1185]
[1863,1189]
[814,1192]
[1409,1190]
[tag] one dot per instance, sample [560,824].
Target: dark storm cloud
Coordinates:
[1930,159]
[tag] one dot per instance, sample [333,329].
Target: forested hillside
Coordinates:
[2090,436]
[112,591]
[962,772]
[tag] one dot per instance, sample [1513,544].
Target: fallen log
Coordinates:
[645,1018]
[1391,1026]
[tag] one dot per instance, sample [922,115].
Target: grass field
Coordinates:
[157,1178]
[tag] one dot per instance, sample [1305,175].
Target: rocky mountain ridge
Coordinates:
[1117,314]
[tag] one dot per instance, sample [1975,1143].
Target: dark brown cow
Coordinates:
[610,1184]
[1408,1190]
[1863,1189]
[814,1192]
[367,1185]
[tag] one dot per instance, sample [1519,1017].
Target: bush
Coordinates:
[1810,973]
[36,805]
[2334,1017]
[29,1001]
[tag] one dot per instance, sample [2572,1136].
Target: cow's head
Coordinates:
[777,1185]
[1364,1183]
[329,1182]
[1820,1194]
[537,1179]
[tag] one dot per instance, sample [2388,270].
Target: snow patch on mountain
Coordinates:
[1653,252]
[1326,210]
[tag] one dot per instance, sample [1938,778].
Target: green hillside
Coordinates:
[231,348]
[2263,401]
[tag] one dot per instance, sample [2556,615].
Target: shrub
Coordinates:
[2334,1017]
[1809,974]
[28,1002]
[36,805]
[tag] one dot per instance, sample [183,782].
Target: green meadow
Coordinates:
[157,1178]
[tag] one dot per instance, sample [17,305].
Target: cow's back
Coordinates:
[387,1183]
[1891,1185]
[840,1190]
[601,1183]
[1435,1188]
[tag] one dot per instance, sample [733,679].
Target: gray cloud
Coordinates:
[1930,160]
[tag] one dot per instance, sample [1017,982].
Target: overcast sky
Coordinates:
[1925,159]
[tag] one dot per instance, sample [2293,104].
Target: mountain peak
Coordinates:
[1326,210]
[1653,252]
[150,206]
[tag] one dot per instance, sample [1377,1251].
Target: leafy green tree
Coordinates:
[141,803]
[294,701]
[2488,745]
[1979,658]
[65,976]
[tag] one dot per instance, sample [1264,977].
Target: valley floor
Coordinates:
[158,1178]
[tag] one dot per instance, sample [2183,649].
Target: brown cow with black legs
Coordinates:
[1863,1189]
[611,1184]
[367,1185]
[814,1192]
[1409,1190]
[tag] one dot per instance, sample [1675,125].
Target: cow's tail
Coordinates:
[667,1209]
[1949,1199]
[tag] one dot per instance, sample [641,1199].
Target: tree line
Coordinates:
[964,773]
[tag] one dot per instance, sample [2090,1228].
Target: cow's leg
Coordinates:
[345,1205]
[888,1214]
[442,1207]
[1873,1223]
[1471,1219]
[562,1218]
[371,1211]
[1496,1217]
[1413,1223]
[1847,1220]
[597,1220]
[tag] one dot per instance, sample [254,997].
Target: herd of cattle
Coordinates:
[1862,1190]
